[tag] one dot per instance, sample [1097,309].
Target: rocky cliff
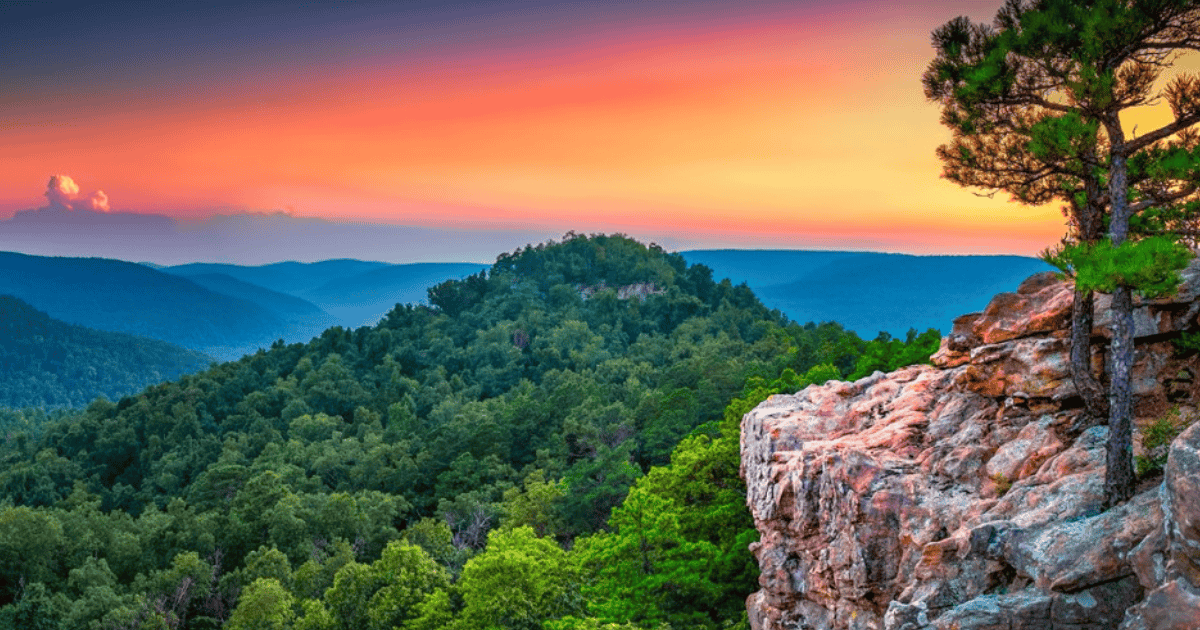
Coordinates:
[968,495]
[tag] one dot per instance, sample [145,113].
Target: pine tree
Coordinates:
[1034,102]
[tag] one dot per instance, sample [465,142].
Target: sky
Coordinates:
[694,123]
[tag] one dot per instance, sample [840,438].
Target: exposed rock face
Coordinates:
[625,292]
[968,495]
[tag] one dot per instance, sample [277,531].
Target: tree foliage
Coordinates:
[401,475]
[1151,264]
[518,582]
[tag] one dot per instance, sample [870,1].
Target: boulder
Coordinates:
[1182,500]
[1041,304]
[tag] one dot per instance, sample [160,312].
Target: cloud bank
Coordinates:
[83,225]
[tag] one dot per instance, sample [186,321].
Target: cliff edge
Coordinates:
[968,495]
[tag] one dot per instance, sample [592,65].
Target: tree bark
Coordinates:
[1090,225]
[1119,476]
[1095,404]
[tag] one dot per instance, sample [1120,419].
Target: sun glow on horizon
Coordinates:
[782,128]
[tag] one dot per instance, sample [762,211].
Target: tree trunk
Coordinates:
[1090,224]
[1119,477]
[1095,403]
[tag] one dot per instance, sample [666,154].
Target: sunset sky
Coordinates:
[744,124]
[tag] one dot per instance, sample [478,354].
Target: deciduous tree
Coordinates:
[518,582]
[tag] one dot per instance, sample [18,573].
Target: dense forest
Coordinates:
[47,363]
[549,443]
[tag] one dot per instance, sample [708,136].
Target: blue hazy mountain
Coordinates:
[218,309]
[288,307]
[126,297]
[355,292]
[364,298]
[49,363]
[763,267]
[292,278]
[870,292]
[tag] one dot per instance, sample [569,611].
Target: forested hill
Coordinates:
[47,363]
[525,400]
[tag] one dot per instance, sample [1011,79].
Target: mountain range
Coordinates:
[353,293]
[244,238]
[224,311]
[227,310]
[870,292]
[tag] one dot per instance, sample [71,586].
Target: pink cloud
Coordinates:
[63,192]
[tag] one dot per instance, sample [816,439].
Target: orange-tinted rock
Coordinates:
[1035,367]
[969,495]
[962,334]
[947,357]
[1015,315]
[1038,281]
[1034,445]
[1173,606]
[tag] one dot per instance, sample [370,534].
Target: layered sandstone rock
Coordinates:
[968,495]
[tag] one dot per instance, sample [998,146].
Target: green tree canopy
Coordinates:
[518,582]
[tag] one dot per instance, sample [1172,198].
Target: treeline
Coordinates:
[551,443]
[47,363]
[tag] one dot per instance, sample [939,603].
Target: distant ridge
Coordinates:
[870,292]
[243,238]
[289,307]
[763,267]
[126,297]
[285,277]
[368,296]
[354,292]
[48,363]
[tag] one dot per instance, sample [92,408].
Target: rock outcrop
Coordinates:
[638,291]
[967,495]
